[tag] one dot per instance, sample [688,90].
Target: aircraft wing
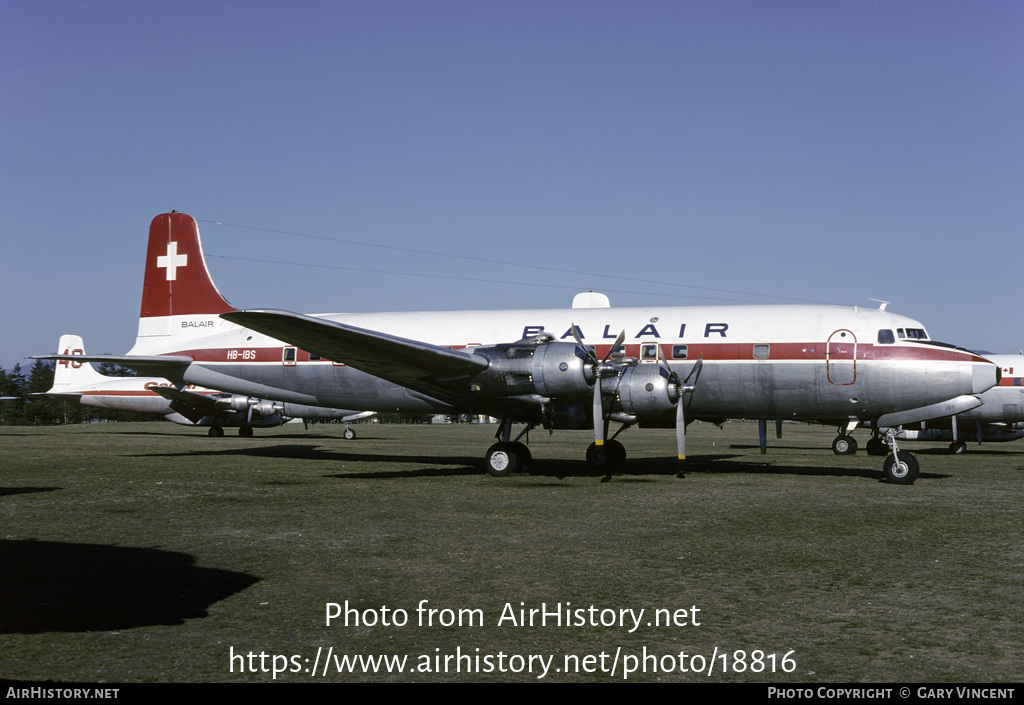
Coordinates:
[170,367]
[431,369]
[189,404]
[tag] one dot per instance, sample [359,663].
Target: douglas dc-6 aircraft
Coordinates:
[194,406]
[576,368]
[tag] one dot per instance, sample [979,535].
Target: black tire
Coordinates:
[599,457]
[215,432]
[903,472]
[616,454]
[876,446]
[844,445]
[245,431]
[958,448]
[525,456]
[349,434]
[502,460]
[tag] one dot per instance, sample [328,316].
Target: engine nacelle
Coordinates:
[263,408]
[534,366]
[646,389]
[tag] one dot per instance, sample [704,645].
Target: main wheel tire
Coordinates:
[844,445]
[901,472]
[876,446]
[215,432]
[599,457]
[616,454]
[525,456]
[958,448]
[502,460]
[245,431]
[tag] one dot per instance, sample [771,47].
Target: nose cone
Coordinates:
[984,375]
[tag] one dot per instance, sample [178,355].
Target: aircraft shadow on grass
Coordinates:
[5,491]
[308,452]
[48,586]
[722,463]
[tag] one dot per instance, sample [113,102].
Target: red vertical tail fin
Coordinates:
[177,281]
[179,299]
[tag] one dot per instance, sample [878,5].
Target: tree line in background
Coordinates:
[41,410]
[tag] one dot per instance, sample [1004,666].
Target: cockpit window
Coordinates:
[912,333]
[885,336]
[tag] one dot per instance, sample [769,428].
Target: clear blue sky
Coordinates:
[752,151]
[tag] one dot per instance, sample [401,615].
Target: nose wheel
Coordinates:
[900,467]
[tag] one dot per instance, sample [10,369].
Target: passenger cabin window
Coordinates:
[1018,381]
[886,337]
[648,351]
[761,352]
[313,358]
[288,356]
[678,352]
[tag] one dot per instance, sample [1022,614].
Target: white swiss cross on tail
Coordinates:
[172,260]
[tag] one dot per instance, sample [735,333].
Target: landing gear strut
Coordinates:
[900,467]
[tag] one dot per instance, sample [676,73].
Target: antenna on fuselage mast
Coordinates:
[881,304]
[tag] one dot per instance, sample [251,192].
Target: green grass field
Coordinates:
[149,552]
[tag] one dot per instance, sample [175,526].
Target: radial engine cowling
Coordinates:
[528,367]
[263,408]
[646,389]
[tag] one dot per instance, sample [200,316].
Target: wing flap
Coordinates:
[423,367]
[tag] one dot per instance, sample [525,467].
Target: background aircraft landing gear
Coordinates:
[349,434]
[215,432]
[957,447]
[844,445]
[245,431]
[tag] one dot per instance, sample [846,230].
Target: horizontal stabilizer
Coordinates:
[431,369]
[171,367]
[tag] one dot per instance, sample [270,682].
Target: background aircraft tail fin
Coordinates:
[71,374]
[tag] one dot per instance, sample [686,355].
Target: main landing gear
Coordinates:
[844,445]
[509,456]
[218,432]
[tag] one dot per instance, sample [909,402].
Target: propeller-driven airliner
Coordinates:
[585,367]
